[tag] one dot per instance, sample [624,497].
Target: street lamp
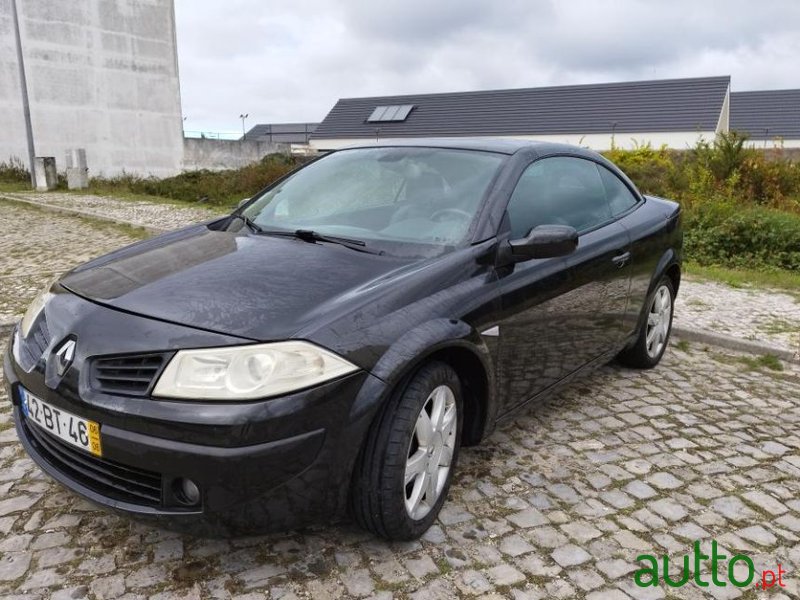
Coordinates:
[243,117]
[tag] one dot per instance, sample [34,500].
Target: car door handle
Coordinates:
[621,259]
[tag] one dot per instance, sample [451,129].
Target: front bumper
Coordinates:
[260,466]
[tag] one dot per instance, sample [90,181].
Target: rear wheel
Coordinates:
[404,471]
[654,334]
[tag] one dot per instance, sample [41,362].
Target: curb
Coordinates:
[83,213]
[732,343]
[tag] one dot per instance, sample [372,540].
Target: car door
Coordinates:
[558,314]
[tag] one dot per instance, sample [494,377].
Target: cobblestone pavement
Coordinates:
[35,246]
[136,212]
[768,316]
[556,504]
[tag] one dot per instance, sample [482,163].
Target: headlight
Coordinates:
[33,311]
[248,372]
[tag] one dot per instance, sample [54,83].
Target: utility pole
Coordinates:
[23,84]
[243,117]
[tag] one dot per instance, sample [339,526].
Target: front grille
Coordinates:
[131,375]
[109,478]
[32,347]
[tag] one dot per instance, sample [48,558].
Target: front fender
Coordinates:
[405,356]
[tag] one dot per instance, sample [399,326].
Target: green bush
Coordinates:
[754,237]
[14,171]
[220,188]
[741,209]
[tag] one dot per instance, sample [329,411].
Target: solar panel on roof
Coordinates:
[392,112]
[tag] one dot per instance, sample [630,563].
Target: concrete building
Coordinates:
[102,75]
[672,112]
[770,118]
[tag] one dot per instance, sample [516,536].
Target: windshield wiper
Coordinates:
[254,227]
[308,235]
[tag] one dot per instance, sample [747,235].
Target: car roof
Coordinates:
[498,145]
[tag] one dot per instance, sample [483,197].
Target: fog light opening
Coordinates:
[186,491]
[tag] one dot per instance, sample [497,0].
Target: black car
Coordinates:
[335,341]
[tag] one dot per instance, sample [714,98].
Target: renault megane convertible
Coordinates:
[333,342]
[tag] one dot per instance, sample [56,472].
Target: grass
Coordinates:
[682,345]
[13,186]
[788,281]
[752,363]
[776,326]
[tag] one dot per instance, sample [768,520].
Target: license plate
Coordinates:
[78,432]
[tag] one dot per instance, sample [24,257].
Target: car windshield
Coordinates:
[400,201]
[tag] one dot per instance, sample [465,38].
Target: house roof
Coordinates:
[631,107]
[281,132]
[480,144]
[766,114]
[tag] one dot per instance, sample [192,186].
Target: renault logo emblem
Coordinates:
[64,357]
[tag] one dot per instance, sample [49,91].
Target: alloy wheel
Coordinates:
[430,452]
[658,321]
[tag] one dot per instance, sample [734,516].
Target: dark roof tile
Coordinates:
[632,107]
[766,114]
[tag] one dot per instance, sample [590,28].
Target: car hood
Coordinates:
[255,287]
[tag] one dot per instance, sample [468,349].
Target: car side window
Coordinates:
[561,190]
[620,197]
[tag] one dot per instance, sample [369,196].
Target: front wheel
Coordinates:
[404,470]
[654,334]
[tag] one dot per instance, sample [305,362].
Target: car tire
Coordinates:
[416,436]
[646,353]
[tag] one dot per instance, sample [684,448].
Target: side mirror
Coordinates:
[242,202]
[545,241]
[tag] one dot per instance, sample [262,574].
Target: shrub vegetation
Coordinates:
[740,208]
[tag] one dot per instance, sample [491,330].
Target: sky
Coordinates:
[289,61]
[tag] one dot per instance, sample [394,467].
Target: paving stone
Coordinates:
[473,583]
[505,574]
[13,565]
[260,576]
[168,550]
[17,504]
[421,567]
[528,518]
[515,545]
[581,531]
[640,489]
[570,555]
[585,579]
[764,501]
[358,582]
[104,588]
[757,534]
[732,507]
[668,509]
[664,481]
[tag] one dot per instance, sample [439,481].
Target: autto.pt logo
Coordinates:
[653,571]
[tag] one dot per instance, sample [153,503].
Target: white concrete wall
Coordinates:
[205,153]
[724,122]
[776,144]
[680,140]
[102,75]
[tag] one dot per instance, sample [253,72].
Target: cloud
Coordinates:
[284,62]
